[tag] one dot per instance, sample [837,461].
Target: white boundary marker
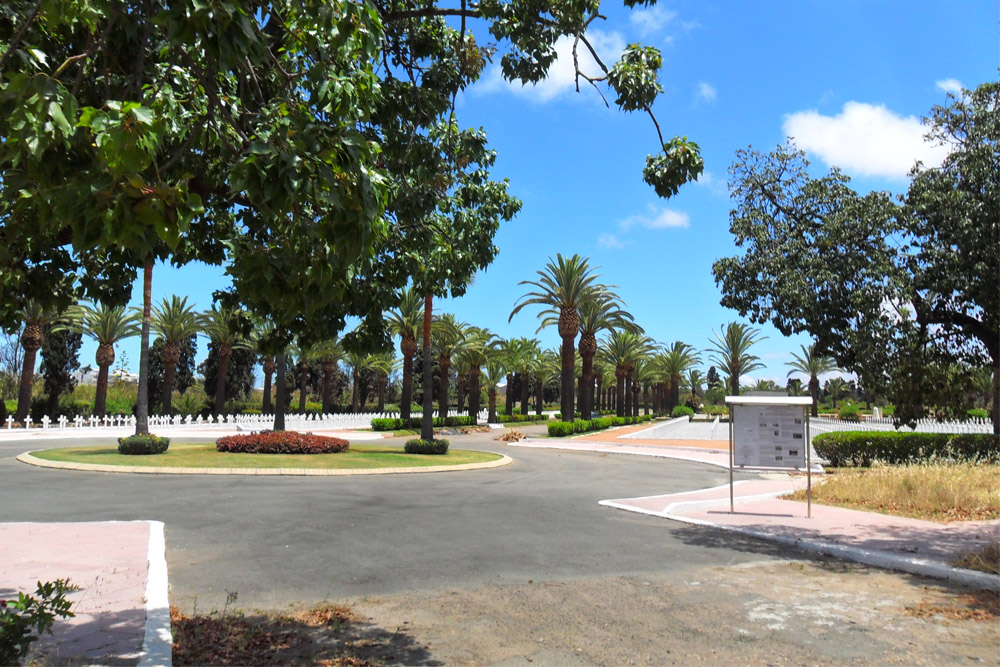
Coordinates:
[158,642]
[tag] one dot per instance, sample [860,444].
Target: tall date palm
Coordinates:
[404,321]
[730,351]
[812,365]
[562,287]
[106,325]
[174,321]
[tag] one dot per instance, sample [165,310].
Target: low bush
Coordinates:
[142,445]
[21,618]
[979,413]
[397,424]
[682,411]
[511,419]
[418,446]
[850,412]
[560,429]
[862,448]
[281,442]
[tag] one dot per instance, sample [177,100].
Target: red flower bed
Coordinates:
[280,442]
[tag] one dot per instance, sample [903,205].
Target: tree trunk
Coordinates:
[491,398]
[382,381]
[356,393]
[220,381]
[508,399]
[406,395]
[587,385]
[620,393]
[166,394]
[101,393]
[27,379]
[303,378]
[328,368]
[599,396]
[427,421]
[566,402]
[279,393]
[814,392]
[474,392]
[268,372]
[444,367]
[142,395]
[460,398]
[674,399]
[525,390]
[645,399]
[539,396]
[628,392]
[996,396]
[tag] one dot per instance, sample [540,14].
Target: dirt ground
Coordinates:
[774,613]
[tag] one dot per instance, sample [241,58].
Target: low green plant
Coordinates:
[979,413]
[142,445]
[418,446]
[397,424]
[850,412]
[22,618]
[863,448]
[682,411]
[560,429]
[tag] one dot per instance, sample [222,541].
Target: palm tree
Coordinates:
[621,351]
[493,372]
[262,330]
[222,326]
[644,374]
[812,365]
[36,318]
[479,346]
[524,363]
[602,312]
[174,321]
[836,388]
[404,321]
[765,385]
[673,362]
[329,353]
[562,288]
[383,364]
[107,326]
[546,369]
[357,362]
[448,334]
[731,352]
[694,381]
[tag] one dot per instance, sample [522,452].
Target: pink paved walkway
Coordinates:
[107,561]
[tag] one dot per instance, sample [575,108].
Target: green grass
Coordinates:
[203,455]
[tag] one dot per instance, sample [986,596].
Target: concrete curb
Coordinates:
[158,641]
[920,566]
[27,458]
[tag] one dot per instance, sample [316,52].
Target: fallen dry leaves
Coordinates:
[980,606]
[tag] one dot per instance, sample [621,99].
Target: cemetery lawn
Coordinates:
[933,492]
[204,455]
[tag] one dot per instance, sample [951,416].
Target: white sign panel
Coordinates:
[768,436]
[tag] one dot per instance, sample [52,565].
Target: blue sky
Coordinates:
[850,81]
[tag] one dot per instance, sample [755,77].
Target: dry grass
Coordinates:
[958,492]
[986,559]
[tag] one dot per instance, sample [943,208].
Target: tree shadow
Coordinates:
[105,638]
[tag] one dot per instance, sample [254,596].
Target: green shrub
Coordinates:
[21,618]
[862,448]
[510,419]
[850,412]
[682,411]
[281,442]
[560,429]
[418,446]
[979,413]
[142,445]
[396,424]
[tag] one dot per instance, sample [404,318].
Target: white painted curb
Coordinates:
[158,642]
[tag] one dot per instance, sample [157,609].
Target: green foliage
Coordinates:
[23,620]
[636,77]
[680,163]
[682,411]
[397,424]
[60,358]
[559,429]
[850,412]
[863,448]
[281,442]
[418,446]
[978,413]
[515,418]
[142,445]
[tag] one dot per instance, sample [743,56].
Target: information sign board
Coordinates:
[768,436]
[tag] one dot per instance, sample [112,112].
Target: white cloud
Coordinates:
[651,20]
[953,86]
[865,140]
[657,218]
[706,92]
[610,241]
[561,78]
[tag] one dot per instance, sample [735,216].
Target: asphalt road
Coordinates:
[278,540]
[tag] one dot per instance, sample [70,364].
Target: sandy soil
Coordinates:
[775,613]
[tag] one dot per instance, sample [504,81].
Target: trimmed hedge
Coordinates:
[510,419]
[562,429]
[417,446]
[142,445]
[862,448]
[396,424]
[682,411]
[281,442]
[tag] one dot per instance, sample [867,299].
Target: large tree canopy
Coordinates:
[899,290]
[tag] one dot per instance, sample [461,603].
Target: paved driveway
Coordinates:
[275,540]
